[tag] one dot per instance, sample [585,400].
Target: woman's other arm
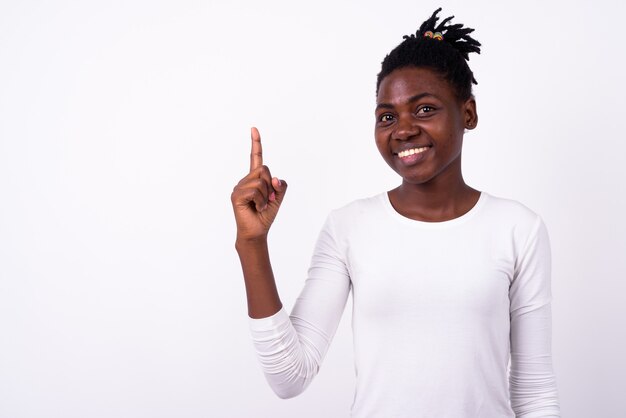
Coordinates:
[532,382]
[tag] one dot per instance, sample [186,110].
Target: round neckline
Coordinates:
[434,225]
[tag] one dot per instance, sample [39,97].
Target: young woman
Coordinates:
[449,283]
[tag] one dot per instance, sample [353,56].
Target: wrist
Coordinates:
[250,243]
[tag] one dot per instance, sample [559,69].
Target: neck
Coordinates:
[432,202]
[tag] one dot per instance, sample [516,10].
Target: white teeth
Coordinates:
[411,151]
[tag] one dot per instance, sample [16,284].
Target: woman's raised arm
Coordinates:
[256,200]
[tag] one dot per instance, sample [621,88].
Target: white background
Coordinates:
[124,126]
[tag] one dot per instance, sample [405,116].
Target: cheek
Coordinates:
[382,144]
[453,145]
[450,133]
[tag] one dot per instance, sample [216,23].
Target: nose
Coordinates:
[406,128]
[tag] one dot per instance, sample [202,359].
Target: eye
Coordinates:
[385,118]
[425,109]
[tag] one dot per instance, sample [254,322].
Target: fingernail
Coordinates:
[272,196]
[280,183]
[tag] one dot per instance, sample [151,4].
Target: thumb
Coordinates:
[280,186]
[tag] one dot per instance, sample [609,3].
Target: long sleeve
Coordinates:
[291,348]
[532,382]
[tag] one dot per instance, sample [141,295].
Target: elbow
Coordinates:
[289,364]
[289,388]
[287,394]
[293,383]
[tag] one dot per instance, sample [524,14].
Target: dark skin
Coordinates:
[417,109]
[417,113]
[256,200]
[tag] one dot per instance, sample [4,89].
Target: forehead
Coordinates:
[407,82]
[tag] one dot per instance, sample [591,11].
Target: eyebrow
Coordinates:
[411,100]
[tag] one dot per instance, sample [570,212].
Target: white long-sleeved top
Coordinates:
[441,310]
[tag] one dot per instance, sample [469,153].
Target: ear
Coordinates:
[469,113]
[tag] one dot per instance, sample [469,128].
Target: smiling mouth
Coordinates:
[411,151]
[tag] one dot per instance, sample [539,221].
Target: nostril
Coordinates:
[406,132]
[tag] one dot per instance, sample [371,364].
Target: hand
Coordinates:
[257,197]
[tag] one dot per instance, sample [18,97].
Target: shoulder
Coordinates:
[359,208]
[513,216]
[359,212]
[510,210]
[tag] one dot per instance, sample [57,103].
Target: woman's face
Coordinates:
[420,124]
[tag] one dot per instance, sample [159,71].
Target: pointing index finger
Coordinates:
[256,154]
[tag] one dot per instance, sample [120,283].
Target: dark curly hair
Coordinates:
[448,57]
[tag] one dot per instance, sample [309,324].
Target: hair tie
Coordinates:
[437,35]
